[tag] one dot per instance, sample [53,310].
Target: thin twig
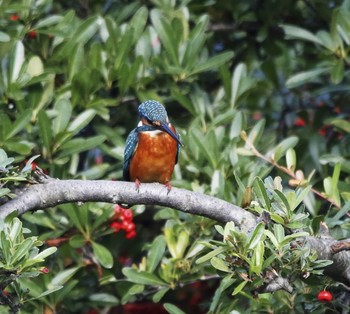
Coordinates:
[288,172]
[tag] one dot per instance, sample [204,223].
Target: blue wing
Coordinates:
[178,148]
[130,147]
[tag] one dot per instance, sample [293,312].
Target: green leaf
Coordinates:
[290,237]
[301,194]
[182,243]
[166,35]
[210,255]
[72,212]
[283,147]
[77,241]
[86,30]
[16,61]
[22,250]
[282,199]
[236,125]
[142,277]
[45,130]
[79,145]
[341,124]
[300,33]
[258,258]
[272,237]
[217,181]
[123,48]
[35,66]
[160,294]
[138,22]
[255,133]
[219,264]
[46,292]
[291,159]
[4,191]
[340,213]
[239,73]
[48,21]
[193,49]
[63,110]
[4,160]
[81,121]
[102,254]
[103,299]
[21,122]
[337,72]
[213,62]
[5,247]
[45,253]
[155,253]
[206,146]
[15,235]
[170,238]
[21,147]
[256,236]
[279,233]
[328,41]
[239,288]
[76,61]
[260,190]
[4,37]
[136,289]
[173,309]
[64,276]
[226,282]
[305,77]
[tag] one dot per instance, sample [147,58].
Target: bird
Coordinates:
[152,148]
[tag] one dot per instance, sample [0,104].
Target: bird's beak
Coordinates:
[164,127]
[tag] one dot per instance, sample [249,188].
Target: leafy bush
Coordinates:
[259,94]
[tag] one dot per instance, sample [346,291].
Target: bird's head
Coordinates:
[153,113]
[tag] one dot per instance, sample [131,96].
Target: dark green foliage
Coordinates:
[258,90]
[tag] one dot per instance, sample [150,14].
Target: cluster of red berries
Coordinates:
[122,220]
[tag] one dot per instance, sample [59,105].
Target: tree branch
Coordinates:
[51,192]
[54,192]
[326,249]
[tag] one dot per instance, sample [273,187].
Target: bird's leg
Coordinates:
[168,186]
[137,184]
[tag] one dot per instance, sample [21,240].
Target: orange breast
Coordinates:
[154,158]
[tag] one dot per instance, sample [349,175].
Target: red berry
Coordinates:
[14,17]
[130,227]
[323,130]
[34,165]
[131,234]
[118,210]
[299,122]
[325,296]
[127,214]
[32,34]
[125,223]
[116,226]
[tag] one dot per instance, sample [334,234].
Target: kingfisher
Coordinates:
[152,148]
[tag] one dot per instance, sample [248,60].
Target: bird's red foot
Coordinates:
[168,186]
[137,184]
